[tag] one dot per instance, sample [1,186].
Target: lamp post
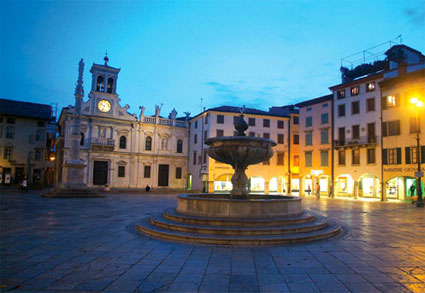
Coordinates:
[418,104]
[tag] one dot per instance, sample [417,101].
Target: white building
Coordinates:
[120,149]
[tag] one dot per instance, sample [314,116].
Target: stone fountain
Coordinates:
[239,218]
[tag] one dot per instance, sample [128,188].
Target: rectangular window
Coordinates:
[38,155]
[324,158]
[235,120]
[195,138]
[8,153]
[178,173]
[252,134]
[324,136]
[10,132]
[204,160]
[195,155]
[266,122]
[341,157]
[296,139]
[309,109]
[39,135]
[196,124]
[370,86]
[220,132]
[308,121]
[296,120]
[296,161]
[355,107]
[340,94]
[370,105]
[308,159]
[392,156]
[121,171]
[251,121]
[266,135]
[355,90]
[280,124]
[356,132]
[280,138]
[324,118]
[371,156]
[325,105]
[280,161]
[147,172]
[391,101]
[309,138]
[341,110]
[206,118]
[411,155]
[205,135]
[355,158]
[220,119]
[391,128]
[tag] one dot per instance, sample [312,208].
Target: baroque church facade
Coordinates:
[119,149]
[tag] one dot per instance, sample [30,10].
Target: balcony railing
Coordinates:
[164,121]
[362,141]
[102,141]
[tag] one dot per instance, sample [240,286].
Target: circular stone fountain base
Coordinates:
[222,206]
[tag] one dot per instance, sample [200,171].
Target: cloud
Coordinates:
[416,15]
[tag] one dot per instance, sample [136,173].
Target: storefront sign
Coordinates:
[419,174]
[316,172]
[401,169]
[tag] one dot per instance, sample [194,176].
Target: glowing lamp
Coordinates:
[419,104]
[413,100]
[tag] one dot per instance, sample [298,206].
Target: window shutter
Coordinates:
[384,129]
[384,102]
[398,156]
[423,154]
[407,154]
[384,157]
[397,127]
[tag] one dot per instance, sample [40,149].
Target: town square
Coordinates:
[212,146]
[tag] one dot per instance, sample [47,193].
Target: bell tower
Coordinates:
[104,77]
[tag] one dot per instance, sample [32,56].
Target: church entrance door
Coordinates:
[100,173]
[163,175]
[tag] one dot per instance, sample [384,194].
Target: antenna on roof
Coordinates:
[202,108]
[399,38]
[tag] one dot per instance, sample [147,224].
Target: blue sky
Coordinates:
[254,53]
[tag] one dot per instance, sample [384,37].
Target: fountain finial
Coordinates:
[241,126]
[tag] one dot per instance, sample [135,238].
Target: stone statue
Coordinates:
[79,90]
[187,116]
[157,110]
[142,110]
[173,114]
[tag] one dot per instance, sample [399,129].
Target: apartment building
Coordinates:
[274,176]
[27,133]
[400,131]
[316,145]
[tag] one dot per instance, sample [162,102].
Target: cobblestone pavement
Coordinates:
[89,245]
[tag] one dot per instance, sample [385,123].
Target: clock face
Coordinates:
[104,106]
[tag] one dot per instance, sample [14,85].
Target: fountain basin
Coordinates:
[223,206]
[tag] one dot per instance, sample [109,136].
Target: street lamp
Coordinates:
[418,104]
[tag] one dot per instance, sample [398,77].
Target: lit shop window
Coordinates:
[391,101]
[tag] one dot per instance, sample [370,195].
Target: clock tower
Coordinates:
[103,92]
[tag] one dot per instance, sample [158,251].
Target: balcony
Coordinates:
[164,121]
[102,144]
[361,142]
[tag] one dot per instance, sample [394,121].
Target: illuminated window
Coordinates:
[414,155]
[355,90]
[370,86]
[8,153]
[391,101]
[109,86]
[392,156]
[100,87]
[340,94]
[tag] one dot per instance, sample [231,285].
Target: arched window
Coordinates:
[100,87]
[164,143]
[82,139]
[110,85]
[179,146]
[148,143]
[123,142]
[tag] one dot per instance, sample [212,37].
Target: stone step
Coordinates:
[161,222]
[172,215]
[146,227]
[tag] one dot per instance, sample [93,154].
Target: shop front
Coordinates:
[344,186]
[256,184]
[369,186]
[223,184]
[402,187]
[277,185]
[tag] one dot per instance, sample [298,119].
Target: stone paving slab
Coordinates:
[89,245]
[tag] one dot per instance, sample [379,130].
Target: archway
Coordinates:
[402,187]
[369,186]
[277,185]
[344,185]
[223,184]
[256,184]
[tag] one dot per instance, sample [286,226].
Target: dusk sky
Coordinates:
[254,53]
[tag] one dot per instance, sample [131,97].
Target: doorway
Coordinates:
[163,175]
[100,172]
